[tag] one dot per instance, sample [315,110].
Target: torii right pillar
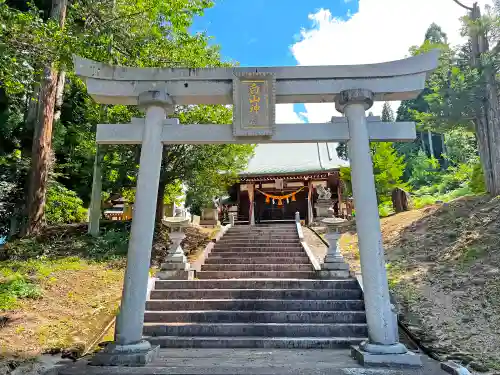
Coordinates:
[382,347]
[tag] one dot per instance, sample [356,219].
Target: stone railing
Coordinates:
[306,248]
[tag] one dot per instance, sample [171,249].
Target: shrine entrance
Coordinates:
[254,92]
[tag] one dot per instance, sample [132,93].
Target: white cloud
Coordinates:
[286,115]
[381,30]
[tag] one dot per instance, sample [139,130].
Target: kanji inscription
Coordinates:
[254,102]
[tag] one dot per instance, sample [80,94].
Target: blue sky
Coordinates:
[260,32]
[320,32]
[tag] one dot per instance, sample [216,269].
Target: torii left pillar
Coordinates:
[129,349]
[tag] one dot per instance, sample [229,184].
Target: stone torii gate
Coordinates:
[253,92]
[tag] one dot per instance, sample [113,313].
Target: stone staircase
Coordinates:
[257,289]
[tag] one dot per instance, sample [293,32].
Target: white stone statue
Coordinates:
[323,193]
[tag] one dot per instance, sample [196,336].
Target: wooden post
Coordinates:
[310,212]
[339,195]
[251,208]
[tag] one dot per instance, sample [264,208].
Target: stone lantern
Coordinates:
[176,265]
[334,264]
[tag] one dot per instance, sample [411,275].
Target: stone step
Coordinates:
[256,342]
[240,250]
[294,294]
[230,316]
[256,274]
[260,239]
[262,229]
[265,227]
[257,267]
[275,244]
[256,329]
[281,232]
[258,245]
[297,259]
[236,236]
[349,283]
[253,304]
[255,255]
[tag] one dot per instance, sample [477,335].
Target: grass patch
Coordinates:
[397,277]
[471,254]
[15,288]
[420,199]
[21,279]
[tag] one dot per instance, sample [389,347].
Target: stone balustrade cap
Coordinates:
[176,221]
[335,221]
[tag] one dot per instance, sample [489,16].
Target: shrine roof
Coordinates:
[287,158]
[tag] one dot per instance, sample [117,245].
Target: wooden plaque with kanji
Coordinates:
[253,104]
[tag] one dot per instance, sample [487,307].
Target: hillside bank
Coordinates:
[443,265]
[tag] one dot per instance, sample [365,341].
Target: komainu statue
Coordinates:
[324,194]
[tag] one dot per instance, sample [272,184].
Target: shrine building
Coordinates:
[282,179]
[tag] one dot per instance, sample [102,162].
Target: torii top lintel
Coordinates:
[395,80]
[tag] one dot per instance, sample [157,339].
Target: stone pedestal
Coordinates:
[133,355]
[322,207]
[176,266]
[334,264]
[232,218]
[209,216]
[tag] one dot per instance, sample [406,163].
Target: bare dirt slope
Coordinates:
[444,270]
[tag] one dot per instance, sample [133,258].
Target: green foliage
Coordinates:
[420,201]
[345,175]
[13,179]
[476,183]
[210,169]
[63,205]
[388,168]
[112,244]
[134,33]
[173,193]
[424,170]
[65,250]
[385,209]
[387,113]
[14,288]
[461,147]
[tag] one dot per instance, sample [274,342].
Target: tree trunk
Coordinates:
[33,111]
[443,151]
[400,200]
[493,116]
[42,141]
[159,201]
[487,120]
[61,80]
[41,153]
